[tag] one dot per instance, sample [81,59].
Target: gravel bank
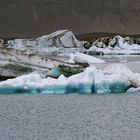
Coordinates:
[70,117]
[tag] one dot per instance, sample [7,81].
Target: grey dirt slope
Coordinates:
[29,18]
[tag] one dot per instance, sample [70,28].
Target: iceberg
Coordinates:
[58,39]
[115,78]
[84,58]
[1,42]
[44,51]
[49,45]
[115,45]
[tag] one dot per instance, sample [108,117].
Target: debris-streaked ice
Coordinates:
[116,45]
[61,38]
[115,78]
[58,42]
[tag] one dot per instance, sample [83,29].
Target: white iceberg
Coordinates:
[1,42]
[123,43]
[84,58]
[58,42]
[61,38]
[115,78]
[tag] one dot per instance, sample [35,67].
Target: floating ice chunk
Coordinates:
[115,78]
[124,61]
[1,42]
[116,45]
[55,72]
[111,51]
[118,69]
[69,40]
[30,79]
[107,82]
[133,90]
[84,58]
[61,38]
[124,71]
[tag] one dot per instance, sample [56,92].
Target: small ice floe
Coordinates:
[84,58]
[124,61]
[116,78]
[133,90]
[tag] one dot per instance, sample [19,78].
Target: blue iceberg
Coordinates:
[115,78]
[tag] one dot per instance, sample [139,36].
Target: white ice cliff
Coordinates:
[114,79]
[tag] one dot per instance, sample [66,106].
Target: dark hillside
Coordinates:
[32,18]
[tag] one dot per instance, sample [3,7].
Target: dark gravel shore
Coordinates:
[70,117]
